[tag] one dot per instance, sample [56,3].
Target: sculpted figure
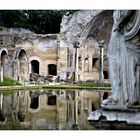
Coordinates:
[124,59]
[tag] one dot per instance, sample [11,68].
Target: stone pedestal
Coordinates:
[116,118]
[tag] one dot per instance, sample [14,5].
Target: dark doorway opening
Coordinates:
[34,66]
[52,69]
[93,107]
[3,57]
[105,74]
[51,100]
[2,117]
[94,60]
[34,102]
[105,96]
[21,117]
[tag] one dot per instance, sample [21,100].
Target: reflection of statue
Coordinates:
[123,58]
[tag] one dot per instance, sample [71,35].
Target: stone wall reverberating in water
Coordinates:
[48,109]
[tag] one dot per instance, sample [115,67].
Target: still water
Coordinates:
[49,109]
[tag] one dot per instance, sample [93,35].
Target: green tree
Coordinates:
[38,21]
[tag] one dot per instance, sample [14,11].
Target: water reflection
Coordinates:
[49,109]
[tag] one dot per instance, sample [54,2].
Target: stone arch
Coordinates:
[3,55]
[36,62]
[4,59]
[52,69]
[99,28]
[105,20]
[95,62]
[21,57]
[86,64]
[35,66]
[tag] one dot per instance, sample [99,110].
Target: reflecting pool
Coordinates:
[49,109]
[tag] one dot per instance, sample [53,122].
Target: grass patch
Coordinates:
[7,81]
[93,84]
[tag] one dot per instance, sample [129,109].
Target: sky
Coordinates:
[69,4]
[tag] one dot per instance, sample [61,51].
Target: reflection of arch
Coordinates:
[34,102]
[21,116]
[52,69]
[86,65]
[35,66]
[51,100]
[2,116]
[105,95]
[93,108]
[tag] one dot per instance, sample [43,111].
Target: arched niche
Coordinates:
[22,65]
[51,100]
[86,65]
[4,62]
[34,102]
[35,66]
[80,62]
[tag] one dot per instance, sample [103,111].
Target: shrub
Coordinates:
[7,81]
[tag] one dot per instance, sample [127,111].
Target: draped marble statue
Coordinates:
[124,59]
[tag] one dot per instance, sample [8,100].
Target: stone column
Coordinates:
[1,100]
[101,47]
[77,65]
[76,46]
[83,69]
[102,63]
[1,74]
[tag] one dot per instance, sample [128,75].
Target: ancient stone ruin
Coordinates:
[28,56]
[74,55]
[122,109]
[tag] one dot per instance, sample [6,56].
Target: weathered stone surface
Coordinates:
[73,25]
[123,53]
[120,116]
[58,49]
[83,26]
[41,48]
[124,59]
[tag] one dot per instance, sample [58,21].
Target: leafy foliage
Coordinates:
[38,21]
[7,81]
